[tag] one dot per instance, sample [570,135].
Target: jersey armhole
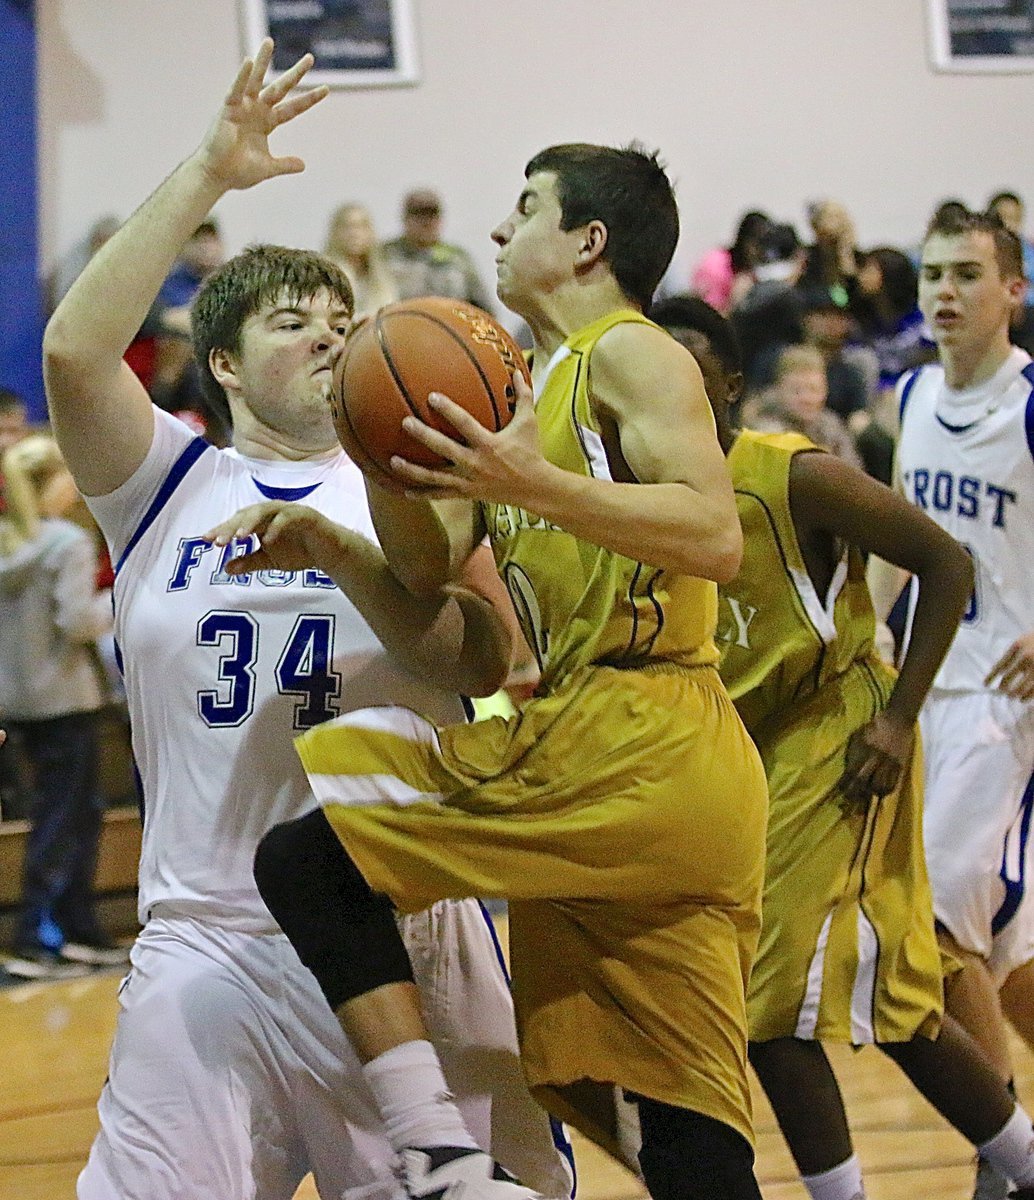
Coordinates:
[906,391]
[1028,415]
[191,453]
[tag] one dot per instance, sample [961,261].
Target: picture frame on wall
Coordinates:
[981,36]
[356,43]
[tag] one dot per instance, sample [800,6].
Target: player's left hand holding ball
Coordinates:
[291,537]
[507,467]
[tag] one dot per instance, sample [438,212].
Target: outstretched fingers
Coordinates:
[243,523]
[259,67]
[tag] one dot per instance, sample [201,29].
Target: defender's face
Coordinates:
[284,367]
[535,255]
[962,294]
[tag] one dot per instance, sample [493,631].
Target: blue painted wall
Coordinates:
[21,307]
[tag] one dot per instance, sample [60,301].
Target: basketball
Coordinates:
[393,361]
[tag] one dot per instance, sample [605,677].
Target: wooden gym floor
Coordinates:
[55,1039]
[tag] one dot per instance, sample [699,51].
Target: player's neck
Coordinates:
[571,309]
[259,442]
[968,367]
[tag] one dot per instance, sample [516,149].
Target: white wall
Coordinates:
[754,103]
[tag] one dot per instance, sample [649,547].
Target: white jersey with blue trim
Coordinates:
[221,671]
[966,457]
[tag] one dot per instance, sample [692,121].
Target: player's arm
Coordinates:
[885,579]
[455,636]
[426,544]
[100,411]
[830,496]
[677,508]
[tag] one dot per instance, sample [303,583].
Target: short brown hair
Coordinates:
[240,287]
[958,221]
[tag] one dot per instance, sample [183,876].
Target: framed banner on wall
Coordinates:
[356,43]
[982,35]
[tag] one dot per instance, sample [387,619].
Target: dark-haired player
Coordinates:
[622,811]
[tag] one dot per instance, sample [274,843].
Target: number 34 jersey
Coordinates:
[222,672]
[966,457]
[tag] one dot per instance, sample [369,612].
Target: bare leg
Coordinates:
[1017,997]
[970,996]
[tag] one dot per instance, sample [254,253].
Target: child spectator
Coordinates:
[797,404]
[50,695]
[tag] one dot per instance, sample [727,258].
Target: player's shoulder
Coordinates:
[626,336]
[924,380]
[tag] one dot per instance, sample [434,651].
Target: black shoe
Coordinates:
[457,1173]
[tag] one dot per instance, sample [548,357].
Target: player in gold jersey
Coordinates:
[622,811]
[848,951]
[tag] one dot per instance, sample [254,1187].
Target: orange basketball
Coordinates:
[393,361]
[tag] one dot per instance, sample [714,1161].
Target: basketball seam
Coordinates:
[459,341]
[346,416]
[378,328]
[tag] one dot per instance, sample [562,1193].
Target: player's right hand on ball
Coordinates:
[291,537]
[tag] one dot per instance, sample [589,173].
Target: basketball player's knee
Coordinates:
[342,930]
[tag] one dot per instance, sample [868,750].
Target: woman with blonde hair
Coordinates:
[51,613]
[352,244]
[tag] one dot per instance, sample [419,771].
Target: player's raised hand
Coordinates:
[291,537]
[235,152]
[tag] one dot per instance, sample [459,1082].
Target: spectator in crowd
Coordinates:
[51,692]
[831,260]
[423,264]
[828,327]
[726,273]
[176,385]
[771,316]
[67,270]
[352,244]
[797,404]
[887,312]
[14,419]
[1010,210]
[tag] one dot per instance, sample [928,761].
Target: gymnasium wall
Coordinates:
[754,103]
[20,308]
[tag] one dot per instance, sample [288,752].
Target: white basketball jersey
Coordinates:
[967,459]
[221,672]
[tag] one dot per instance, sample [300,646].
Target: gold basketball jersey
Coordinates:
[579,603]
[780,641]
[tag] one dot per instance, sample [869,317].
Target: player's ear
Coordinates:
[1017,287]
[223,366]
[593,243]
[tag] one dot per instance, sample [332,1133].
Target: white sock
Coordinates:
[1011,1150]
[414,1099]
[838,1183]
